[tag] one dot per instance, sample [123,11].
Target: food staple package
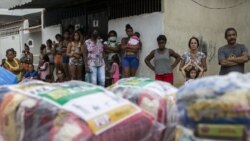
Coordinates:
[216,107]
[71,111]
[155,97]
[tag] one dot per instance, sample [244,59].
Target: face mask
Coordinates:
[112,39]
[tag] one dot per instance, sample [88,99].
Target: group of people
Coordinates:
[74,56]
[231,57]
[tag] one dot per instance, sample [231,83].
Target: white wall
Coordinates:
[150,26]
[8,42]
[50,32]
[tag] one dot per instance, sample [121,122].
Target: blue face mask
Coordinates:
[112,39]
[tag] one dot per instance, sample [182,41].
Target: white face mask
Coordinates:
[112,39]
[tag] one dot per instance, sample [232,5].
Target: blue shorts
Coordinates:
[65,59]
[130,61]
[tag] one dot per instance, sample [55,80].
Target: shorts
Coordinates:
[169,77]
[65,59]
[130,61]
[58,59]
[75,62]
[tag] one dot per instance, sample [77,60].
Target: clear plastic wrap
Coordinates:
[71,111]
[217,106]
[155,97]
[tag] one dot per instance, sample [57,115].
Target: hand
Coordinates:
[87,69]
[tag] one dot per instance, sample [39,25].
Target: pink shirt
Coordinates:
[116,73]
[45,72]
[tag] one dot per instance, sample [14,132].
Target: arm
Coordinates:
[239,60]
[69,50]
[204,64]
[177,58]
[223,61]
[183,72]
[85,59]
[148,59]
[201,73]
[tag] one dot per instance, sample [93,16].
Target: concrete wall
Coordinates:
[7,42]
[50,32]
[184,19]
[149,26]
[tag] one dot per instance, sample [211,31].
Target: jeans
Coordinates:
[98,75]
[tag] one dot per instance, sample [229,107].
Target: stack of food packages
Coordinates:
[71,111]
[155,97]
[213,108]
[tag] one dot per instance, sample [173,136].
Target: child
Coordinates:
[195,72]
[31,73]
[115,72]
[60,76]
[134,40]
[44,69]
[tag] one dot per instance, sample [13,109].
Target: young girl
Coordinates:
[60,76]
[115,72]
[194,72]
[135,39]
[44,70]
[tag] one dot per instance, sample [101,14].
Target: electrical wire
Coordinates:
[219,8]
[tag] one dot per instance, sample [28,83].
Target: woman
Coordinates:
[130,60]
[162,66]
[74,51]
[58,51]
[94,56]
[193,55]
[65,58]
[50,51]
[13,64]
[27,58]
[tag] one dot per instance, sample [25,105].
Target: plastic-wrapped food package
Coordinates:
[71,111]
[217,106]
[155,97]
[6,77]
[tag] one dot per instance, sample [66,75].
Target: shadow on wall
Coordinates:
[209,48]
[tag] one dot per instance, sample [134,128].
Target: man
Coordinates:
[233,56]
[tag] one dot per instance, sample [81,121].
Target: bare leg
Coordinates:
[79,73]
[66,70]
[126,72]
[72,70]
[133,72]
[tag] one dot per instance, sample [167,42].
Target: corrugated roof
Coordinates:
[11,3]
[48,4]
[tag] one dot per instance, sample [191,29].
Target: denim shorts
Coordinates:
[130,61]
[65,59]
